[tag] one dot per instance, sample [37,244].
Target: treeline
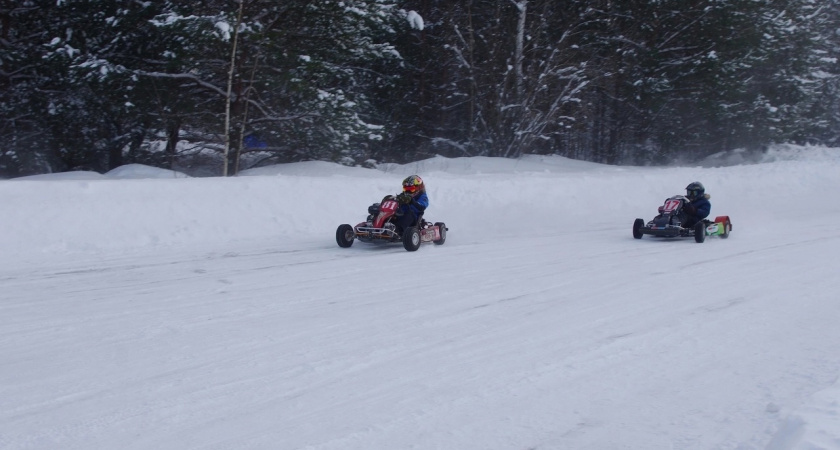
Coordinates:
[227,85]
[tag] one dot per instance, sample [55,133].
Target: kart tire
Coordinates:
[442,227]
[344,235]
[637,228]
[727,227]
[699,232]
[411,239]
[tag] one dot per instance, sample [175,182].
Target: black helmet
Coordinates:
[695,190]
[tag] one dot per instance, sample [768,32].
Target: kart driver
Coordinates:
[699,206]
[413,202]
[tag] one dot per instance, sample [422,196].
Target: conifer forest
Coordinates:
[214,87]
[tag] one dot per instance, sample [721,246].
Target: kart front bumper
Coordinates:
[373,234]
[666,231]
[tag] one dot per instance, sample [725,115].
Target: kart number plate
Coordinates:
[670,205]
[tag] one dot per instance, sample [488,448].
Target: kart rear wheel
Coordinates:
[442,227]
[727,227]
[344,235]
[637,228]
[699,232]
[411,239]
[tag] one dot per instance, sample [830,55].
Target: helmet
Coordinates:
[695,190]
[413,185]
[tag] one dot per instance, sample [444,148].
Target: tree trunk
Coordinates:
[173,132]
[230,87]
[518,56]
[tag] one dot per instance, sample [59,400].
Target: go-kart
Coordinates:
[670,219]
[379,228]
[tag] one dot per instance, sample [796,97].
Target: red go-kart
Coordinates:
[379,228]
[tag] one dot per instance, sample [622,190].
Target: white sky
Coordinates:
[142,310]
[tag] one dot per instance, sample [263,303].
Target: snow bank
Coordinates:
[128,171]
[784,152]
[135,171]
[478,198]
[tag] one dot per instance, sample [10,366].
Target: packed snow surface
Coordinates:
[143,309]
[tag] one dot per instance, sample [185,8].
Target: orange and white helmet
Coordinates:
[413,185]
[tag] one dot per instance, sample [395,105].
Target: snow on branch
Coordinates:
[184,76]
[415,20]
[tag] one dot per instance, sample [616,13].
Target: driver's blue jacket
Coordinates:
[408,214]
[702,207]
[418,204]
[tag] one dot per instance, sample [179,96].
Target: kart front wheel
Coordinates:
[344,235]
[411,239]
[699,232]
[637,228]
[442,227]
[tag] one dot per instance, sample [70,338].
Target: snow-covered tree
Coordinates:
[487,78]
[818,116]
[120,72]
